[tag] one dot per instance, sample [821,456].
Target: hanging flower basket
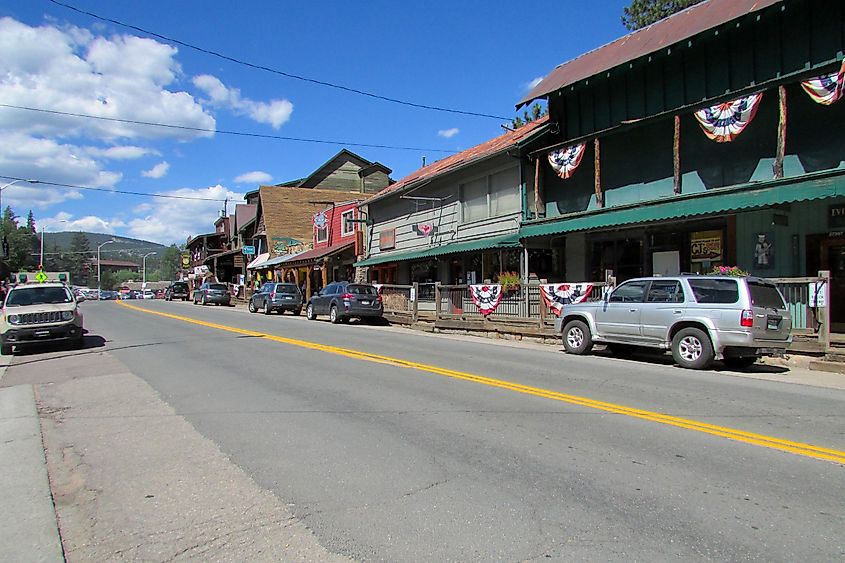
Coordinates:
[509,281]
[734,271]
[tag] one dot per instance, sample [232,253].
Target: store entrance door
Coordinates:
[833,259]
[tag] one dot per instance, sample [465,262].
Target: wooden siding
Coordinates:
[336,230]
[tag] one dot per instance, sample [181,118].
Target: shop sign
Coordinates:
[387,239]
[201,270]
[706,246]
[836,216]
[425,229]
[186,260]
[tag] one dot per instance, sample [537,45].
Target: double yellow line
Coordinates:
[799,448]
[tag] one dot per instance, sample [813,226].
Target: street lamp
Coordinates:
[12,183]
[144,262]
[99,288]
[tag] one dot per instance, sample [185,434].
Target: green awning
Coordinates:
[504,241]
[820,186]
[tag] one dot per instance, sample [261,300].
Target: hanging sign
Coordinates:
[558,295]
[320,220]
[724,122]
[486,297]
[565,161]
[425,229]
[826,89]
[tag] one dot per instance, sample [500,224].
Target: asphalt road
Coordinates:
[474,449]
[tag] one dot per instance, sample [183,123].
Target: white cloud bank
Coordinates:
[274,112]
[158,171]
[448,133]
[254,177]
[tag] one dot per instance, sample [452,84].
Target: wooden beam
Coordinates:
[597,164]
[781,148]
[676,155]
[538,196]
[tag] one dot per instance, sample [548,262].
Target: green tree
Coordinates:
[78,260]
[171,261]
[123,276]
[642,13]
[30,223]
[21,242]
[536,111]
[107,280]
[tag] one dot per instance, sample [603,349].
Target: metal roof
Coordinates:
[503,241]
[655,37]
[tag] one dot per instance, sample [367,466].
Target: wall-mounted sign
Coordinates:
[248,250]
[387,239]
[706,246]
[425,229]
[186,260]
[320,220]
[836,216]
[282,245]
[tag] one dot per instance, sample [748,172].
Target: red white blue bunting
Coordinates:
[828,88]
[486,297]
[724,122]
[565,161]
[558,295]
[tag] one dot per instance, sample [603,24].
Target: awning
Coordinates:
[310,256]
[504,241]
[281,259]
[258,261]
[211,257]
[820,186]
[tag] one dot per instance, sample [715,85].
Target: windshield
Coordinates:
[217,286]
[286,288]
[38,296]
[361,289]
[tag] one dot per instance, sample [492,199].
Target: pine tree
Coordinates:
[78,260]
[20,241]
[642,13]
[30,223]
[533,113]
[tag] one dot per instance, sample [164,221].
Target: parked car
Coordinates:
[210,292]
[43,312]
[344,300]
[698,318]
[277,297]
[148,294]
[176,290]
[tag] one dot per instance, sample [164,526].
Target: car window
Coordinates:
[765,295]
[287,288]
[714,290]
[361,289]
[630,292]
[38,296]
[668,291]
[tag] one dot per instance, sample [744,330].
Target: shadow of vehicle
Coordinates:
[645,355]
[88,342]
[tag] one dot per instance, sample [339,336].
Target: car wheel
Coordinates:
[6,350]
[739,363]
[267,308]
[309,312]
[692,349]
[204,301]
[333,316]
[297,312]
[577,338]
[251,306]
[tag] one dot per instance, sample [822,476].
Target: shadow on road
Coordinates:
[666,359]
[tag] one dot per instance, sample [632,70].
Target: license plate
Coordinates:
[364,302]
[288,297]
[42,333]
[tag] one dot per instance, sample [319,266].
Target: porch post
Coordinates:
[824,331]
[676,155]
[781,148]
[538,196]
[437,296]
[415,305]
[597,165]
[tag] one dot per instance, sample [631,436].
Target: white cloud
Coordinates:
[126,152]
[158,171]
[174,220]
[530,85]
[64,221]
[448,133]
[274,112]
[254,177]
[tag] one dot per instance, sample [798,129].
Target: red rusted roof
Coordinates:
[312,255]
[645,41]
[464,158]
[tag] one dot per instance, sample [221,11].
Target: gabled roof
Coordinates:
[655,37]
[466,158]
[361,161]
[244,214]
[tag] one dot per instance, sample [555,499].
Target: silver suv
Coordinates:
[42,312]
[698,318]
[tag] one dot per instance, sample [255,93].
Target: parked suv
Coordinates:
[176,290]
[210,292]
[698,318]
[344,300]
[277,297]
[44,312]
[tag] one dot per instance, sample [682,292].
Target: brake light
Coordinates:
[378,298]
[272,295]
[347,296]
[747,318]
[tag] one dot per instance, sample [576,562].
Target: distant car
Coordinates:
[148,294]
[277,297]
[108,295]
[159,293]
[342,301]
[216,293]
[176,290]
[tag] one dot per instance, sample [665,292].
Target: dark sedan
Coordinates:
[277,297]
[176,290]
[342,301]
[216,293]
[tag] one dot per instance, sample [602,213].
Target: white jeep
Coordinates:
[40,312]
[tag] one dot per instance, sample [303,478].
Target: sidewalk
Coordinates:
[28,529]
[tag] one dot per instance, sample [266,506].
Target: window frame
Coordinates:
[645,287]
[344,221]
[325,233]
[489,196]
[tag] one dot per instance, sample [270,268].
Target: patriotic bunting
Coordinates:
[557,295]
[724,122]
[826,89]
[565,161]
[486,297]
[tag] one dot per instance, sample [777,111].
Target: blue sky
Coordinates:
[472,56]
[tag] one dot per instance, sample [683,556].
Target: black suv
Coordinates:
[344,300]
[176,290]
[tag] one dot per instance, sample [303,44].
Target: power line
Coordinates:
[280,72]
[73,187]
[237,133]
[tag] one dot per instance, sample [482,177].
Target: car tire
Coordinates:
[333,316]
[577,338]
[251,306]
[204,301]
[743,362]
[309,312]
[297,312]
[691,348]
[6,350]
[267,308]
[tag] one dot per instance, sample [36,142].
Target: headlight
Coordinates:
[13,319]
[67,315]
